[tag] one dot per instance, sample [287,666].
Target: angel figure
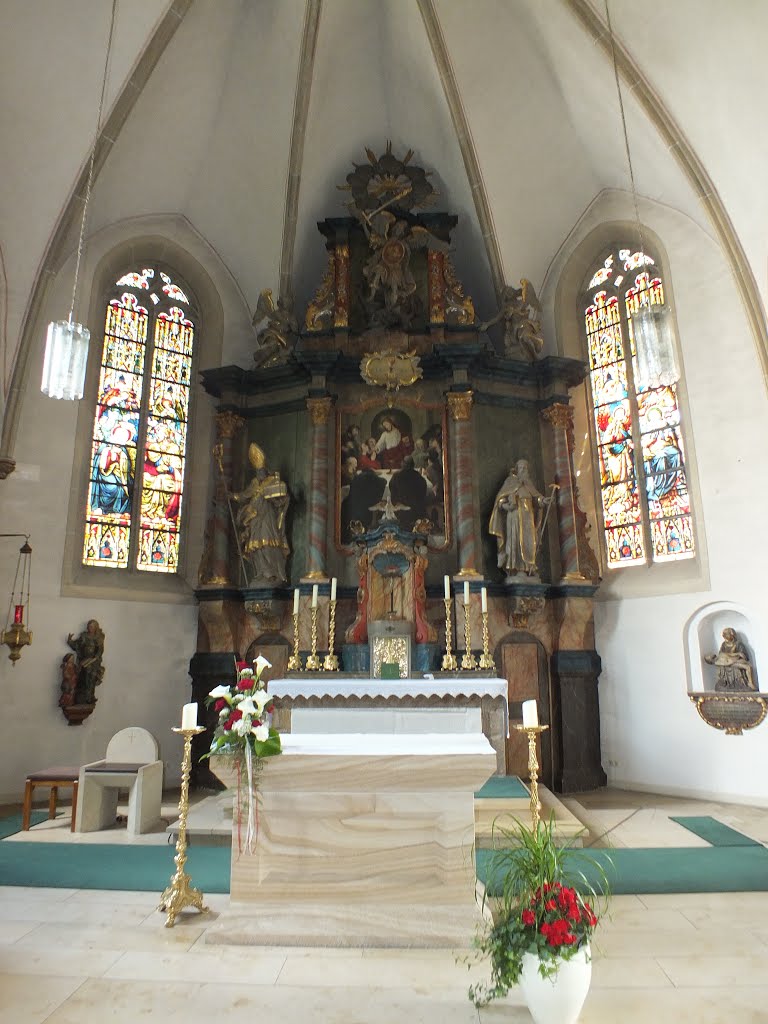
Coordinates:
[522,327]
[279,324]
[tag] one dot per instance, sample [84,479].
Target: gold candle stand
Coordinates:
[450,663]
[468,660]
[313,662]
[294,662]
[180,893]
[331,662]
[533,769]
[486,661]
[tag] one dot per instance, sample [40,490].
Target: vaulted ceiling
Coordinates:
[511,103]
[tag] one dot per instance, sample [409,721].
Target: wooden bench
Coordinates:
[53,778]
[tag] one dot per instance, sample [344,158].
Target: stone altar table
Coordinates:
[444,703]
[364,840]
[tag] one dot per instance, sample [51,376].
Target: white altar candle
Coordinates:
[530,714]
[314,595]
[466,593]
[484,600]
[447,588]
[296,601]
[333,589]
[189,716]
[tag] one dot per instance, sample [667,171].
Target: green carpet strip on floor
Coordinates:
[708,869]
[502,787]
[109,866]
[12,824]
[715,833]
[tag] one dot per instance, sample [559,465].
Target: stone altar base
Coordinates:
[363,840]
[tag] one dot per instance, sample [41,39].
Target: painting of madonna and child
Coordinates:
[393,453]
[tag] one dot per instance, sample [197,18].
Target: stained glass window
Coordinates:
[644,498]
[134,504]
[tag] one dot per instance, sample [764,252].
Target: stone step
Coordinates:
[497,813]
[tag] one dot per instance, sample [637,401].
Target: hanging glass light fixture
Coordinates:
[17,634]
[652,322]
[66,345]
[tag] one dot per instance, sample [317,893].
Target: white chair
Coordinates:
[131,763]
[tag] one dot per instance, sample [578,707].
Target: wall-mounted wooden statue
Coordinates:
[81,673]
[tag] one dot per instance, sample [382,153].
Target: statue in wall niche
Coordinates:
[734,669]
[517,522]
[261,522]
[522,327]
[280,327]
[87,671]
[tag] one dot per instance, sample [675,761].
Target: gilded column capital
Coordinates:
[319,410]
[559,415]
[228,424]
[459,404]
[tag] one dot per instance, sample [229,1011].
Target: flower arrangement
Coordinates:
[244,711]
[243,730]
[542,905]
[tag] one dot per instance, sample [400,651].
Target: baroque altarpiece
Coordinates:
[375,430]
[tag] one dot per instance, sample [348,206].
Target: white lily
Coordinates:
[247,706]
[261,697]
[261,663]
[261,732]
[219,691]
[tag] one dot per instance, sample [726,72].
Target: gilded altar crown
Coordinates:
[256,456]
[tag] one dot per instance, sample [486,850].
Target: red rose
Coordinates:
[236,715]
[245,684]
[528,917]
[574,914]
[220,704]
[226,726]
[550,905]
[241,665]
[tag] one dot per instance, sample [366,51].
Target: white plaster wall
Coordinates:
[148,644]
[652,736]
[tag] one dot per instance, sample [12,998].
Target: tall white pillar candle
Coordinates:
[447,588]
[530,714]
[314,595]
[484,601]
[296,601]
[466,592]
[333,589]
[189,716]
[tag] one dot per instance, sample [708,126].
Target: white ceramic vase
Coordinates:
[559,999]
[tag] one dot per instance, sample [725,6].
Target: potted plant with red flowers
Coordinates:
[243,737]
[544,913]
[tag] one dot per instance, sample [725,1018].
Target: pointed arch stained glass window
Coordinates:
[644,496]
[138,451]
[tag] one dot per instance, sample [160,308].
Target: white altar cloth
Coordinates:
[331,686]
[384,744]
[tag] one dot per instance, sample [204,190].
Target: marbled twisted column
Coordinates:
[461,460]
[319,411]
[228,424]
[577,560]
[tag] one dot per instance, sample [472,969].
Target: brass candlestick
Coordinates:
[533,769]
[313,662]
[294,662]
[486,661]
[450,664]
[331,662]
[180,893]
[468,660]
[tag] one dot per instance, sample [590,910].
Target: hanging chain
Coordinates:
[93,156]
[624,126]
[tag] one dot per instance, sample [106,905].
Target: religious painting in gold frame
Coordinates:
[400,449]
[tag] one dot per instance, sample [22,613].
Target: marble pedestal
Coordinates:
[363,840]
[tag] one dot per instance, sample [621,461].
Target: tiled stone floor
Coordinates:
[90,957]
